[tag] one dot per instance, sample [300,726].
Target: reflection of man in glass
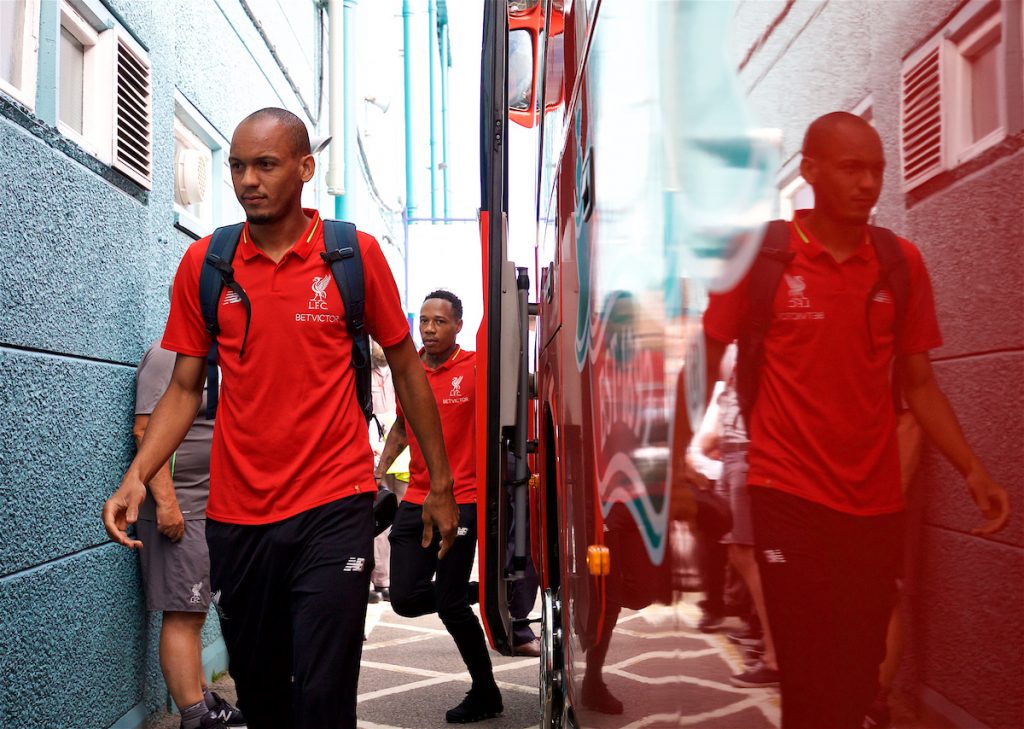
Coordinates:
[520,70]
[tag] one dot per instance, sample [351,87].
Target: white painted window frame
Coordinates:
[26,93]
[957,50]
[224,207]
[98,80]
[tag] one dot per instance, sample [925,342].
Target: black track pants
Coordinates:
[292,601]
[829,582]
[415,592]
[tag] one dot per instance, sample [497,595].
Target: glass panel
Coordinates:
[12,38]
[72,79]
[520,70]
[984,71]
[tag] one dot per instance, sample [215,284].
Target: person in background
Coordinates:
[175,563]
[383,390]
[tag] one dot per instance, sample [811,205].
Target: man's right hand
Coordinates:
[169,520]
[122,509]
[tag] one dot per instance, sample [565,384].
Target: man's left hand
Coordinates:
[992,500]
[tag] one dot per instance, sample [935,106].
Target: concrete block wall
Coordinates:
[964,663]
[88,255]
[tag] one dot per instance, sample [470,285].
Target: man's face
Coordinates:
[438,326]
[266,170]
[847,174]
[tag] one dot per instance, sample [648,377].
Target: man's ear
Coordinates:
[307,166]
[458,327]
[809,169]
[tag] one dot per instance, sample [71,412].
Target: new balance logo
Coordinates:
[463,531]
[774,556]
[231,298]
[883,297]
[355,564]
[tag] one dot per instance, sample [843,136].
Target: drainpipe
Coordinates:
[444,116]
[432,45]
[336,161]
[407,75]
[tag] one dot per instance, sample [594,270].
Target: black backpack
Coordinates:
[763,281]
[346,262]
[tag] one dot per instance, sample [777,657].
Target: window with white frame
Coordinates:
[103,91]
[953,93]
[193,179]
[204,197]
[19,23]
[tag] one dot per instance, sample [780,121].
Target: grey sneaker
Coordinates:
[757,676]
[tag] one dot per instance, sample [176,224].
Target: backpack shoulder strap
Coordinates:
[894,273]
[216,273]
[893,270]
[762,283]
[346,261]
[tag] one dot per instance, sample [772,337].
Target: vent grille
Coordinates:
[133,133]
[922,120]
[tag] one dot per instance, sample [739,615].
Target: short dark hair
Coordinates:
[296,131]
[451,298]
[817,139]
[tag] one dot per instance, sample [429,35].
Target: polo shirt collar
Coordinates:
[812,247]
[301,248]
[450,362]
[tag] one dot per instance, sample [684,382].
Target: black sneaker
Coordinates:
[227,713]
[374,597]
[385,593]
[596,696]
[477,706]
[757,676]
[710,622]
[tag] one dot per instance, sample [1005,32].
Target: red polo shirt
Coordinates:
[454,386]
[289,434]
[823,427]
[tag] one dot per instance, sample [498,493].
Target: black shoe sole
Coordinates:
[474,718]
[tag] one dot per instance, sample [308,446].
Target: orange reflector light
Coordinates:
[599,561]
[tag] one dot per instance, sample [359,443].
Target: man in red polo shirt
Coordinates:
[289,518]
[451,372]
[824,466]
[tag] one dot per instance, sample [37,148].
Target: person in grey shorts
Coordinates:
[175,561]
[732,445]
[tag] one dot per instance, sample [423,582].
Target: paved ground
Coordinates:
[411,675]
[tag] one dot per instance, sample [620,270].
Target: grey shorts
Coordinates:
[734,482]
[176,575]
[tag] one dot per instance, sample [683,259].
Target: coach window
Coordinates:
[19,23]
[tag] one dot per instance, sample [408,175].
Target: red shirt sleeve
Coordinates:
[921,327]
[185,332]
[725,313]
[385,319]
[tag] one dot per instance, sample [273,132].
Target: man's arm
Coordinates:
[933,412]
[395,444]
[169,520]
[714,350]
[165,430]
[420,410]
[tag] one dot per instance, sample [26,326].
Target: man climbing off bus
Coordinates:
[420,583]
